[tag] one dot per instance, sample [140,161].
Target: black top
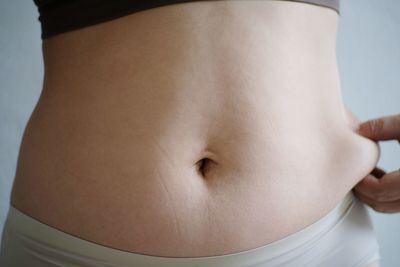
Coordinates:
[58,16]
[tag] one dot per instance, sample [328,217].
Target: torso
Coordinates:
[129,108]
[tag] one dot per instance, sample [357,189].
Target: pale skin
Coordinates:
[135,119]
[380,189]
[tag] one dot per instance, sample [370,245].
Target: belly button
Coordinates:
[203,166]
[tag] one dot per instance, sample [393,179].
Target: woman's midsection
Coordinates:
[195,129]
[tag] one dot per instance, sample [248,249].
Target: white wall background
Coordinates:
[369,65]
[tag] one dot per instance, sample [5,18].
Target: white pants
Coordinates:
[343,238]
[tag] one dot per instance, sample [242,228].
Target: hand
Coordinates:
[380,190]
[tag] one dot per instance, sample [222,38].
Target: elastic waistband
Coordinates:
[29,228]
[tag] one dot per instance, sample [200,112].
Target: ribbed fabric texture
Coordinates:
[58,16]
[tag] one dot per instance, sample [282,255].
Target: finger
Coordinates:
[370,183]
[384,128]
[385,189]
[383,207]
[369,186]
[378,172]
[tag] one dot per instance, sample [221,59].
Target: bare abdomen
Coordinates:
[196,148]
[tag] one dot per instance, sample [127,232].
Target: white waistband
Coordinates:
[281,251]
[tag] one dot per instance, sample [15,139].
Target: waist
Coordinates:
[182,156]
[178,141]
[150,180]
